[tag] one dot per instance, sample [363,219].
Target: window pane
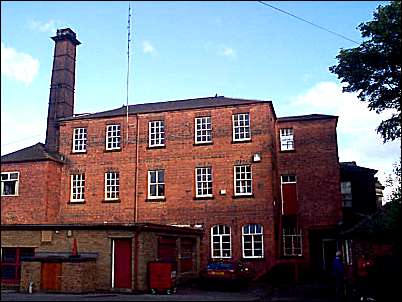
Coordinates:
[153,176]
[8,272]
[26,253]
[152,190]
[9,255]
[161,190]
[161,176]
[9,188]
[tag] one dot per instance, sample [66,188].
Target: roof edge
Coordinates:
[129,226]
[84,116]
[309,117]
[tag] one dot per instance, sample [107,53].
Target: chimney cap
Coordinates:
[66,33]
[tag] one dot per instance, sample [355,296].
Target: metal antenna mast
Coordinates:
[128,62]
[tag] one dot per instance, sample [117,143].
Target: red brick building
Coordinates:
[264,190]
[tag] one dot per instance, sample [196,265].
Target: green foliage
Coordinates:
[394,181]
[373,69]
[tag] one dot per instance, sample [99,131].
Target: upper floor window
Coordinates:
[9,183]
[156,134]
[77,187]
[80,140]
[221,245]
[203,178]
[113,137]
[203,130]
[241,127]
[112,185]
[289,194]
[253,241]
[286,136]
[346,190]
[156,184]
[243,180]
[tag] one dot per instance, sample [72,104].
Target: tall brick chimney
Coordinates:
[61,98]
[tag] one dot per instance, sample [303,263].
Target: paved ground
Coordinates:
[257,292]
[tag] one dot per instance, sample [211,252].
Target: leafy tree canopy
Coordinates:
[373,69]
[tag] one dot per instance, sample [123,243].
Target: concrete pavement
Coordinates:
[256,292]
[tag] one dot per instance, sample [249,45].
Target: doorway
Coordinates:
[121,263]
[329,248]
[51,276]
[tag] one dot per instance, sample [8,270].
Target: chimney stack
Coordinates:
[61,98]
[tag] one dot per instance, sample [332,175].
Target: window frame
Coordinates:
[16,264]
[203,132]
[114,192]
[220,236]
[253,242]
[347,196]
[235,180]
[297,234]
[244,127]
[161,134]
[157,183]
[80,144]
[16,183]
[80,187]
[203,183]
[286,138]
[113,137]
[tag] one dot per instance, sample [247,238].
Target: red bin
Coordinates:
[162,277]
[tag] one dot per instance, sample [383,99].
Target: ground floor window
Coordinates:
[292,236]
[221,246]
[11,258]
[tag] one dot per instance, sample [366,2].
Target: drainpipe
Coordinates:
[136,248]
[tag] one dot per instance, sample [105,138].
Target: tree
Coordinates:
[394,181]
[373,69]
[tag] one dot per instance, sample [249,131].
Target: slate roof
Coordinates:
[36,152]
[352,167]
[308,117]
[197,103]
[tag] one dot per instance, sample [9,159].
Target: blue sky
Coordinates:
[184,50]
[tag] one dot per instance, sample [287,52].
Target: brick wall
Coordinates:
[30,272]
[78,277]
[144,249]
[178,158]
[38,193]
[316,165]
[94,163]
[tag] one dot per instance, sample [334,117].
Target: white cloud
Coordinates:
[147,47]
[29,130]
[47,27]
[226,51]
[18,65]
[357,137]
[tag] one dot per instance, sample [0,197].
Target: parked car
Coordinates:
[226,272]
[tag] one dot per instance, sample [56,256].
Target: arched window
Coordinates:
[221,245]
[253,243]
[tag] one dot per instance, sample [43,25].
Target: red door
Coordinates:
[121,275]
[51,276]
